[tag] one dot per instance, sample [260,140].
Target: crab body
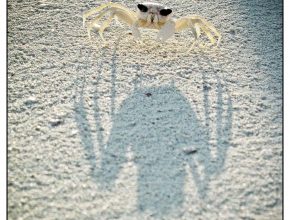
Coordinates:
[153,16]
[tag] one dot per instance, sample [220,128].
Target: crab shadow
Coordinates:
[157,123]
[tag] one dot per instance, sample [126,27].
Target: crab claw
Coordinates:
[166,31]
[135,32]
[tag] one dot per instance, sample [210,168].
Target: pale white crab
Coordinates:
[150,15]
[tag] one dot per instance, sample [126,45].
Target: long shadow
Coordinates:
[157,124]
[224,109]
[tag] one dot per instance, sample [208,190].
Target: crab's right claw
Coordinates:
[135,32]
[166,31]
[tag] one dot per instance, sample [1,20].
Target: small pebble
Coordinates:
[30,101]
[73,132]
[189,150]
[264,98]
[232,32]
[206,88]
[55,122]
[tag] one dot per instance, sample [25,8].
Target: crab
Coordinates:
[152,16]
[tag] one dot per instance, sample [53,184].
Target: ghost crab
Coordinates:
[153,16]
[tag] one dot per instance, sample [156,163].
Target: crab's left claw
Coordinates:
[166,31]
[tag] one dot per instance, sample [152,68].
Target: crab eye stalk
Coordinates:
[142,8]
[165,12]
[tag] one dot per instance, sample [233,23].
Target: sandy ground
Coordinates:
[144,130]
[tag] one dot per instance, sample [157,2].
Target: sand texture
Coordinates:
[143,130]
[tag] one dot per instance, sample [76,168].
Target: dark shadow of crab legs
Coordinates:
[157,128]
[224,115]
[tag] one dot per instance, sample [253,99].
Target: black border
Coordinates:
[7,109]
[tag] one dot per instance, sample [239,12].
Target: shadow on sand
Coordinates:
[157,124]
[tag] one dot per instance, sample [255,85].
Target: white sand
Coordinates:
[144,131]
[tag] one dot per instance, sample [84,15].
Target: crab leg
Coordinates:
[115,10]
[196,31]
[119,13]
[113,7]
[203,22]
[198,23]
[104,26]
[93,11]
[208,34]
[94,22]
